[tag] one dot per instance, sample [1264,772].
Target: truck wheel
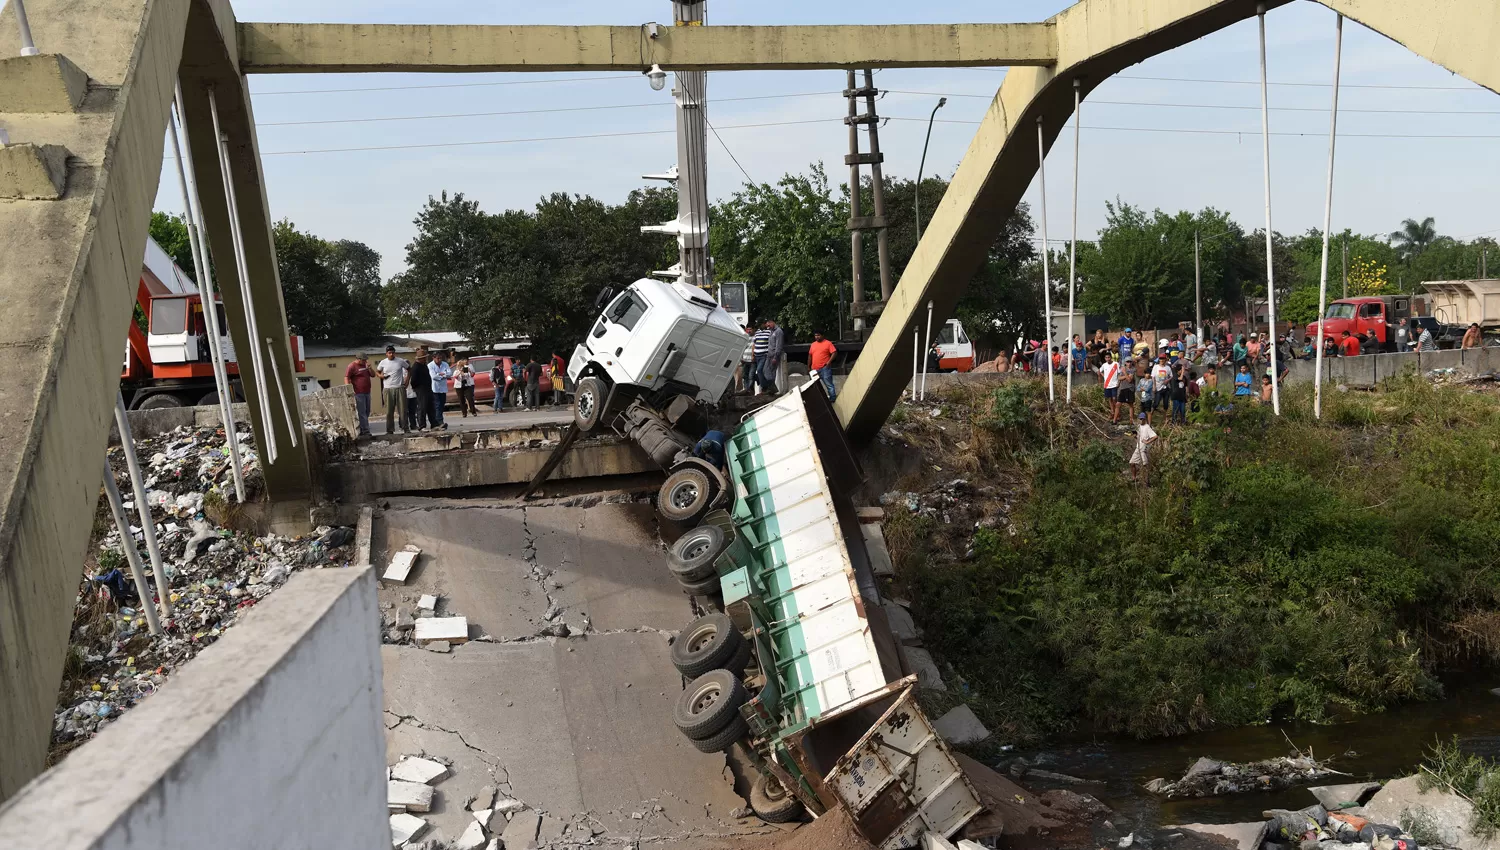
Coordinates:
[588,404]
[692,557]
[741,659]
[771,802]
[160,401]
[707,587]
[685,497]
[709,704]
[794,369]
[710,642]
[736,731]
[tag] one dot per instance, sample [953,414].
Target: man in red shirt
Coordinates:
[358,374]
[820,359]
[1348,345]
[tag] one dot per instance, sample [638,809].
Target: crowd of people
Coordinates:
[416,393]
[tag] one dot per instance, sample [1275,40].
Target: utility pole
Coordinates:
[691,172]
[858,222]
[1344,249]
[1197,289]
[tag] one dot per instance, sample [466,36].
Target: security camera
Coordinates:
[658,78]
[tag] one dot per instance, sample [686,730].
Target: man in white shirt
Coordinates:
[393,372]
[1109,373]
[1145,436]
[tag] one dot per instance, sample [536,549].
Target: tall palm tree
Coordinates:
[1414,237]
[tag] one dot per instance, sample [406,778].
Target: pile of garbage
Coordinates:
[1316,826]
[213,573]
[1211,778]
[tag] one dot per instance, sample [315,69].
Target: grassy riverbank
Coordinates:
[1273,566]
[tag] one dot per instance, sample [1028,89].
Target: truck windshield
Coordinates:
[1340,311]
[169,315]
[732,297]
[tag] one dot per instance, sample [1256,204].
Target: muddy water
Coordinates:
[1373,746]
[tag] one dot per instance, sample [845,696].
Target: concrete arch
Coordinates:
[1097,39]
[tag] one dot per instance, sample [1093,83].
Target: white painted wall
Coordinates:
[271,738]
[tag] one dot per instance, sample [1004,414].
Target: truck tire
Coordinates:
[708,643]
[709,704]
[588,404]
[741,659]
[692,557]
[797,372]
[771,802]
[686,496]
[707,587]
[160,401]
[730,735]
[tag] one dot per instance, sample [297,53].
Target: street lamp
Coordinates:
[657,77]
[942,102]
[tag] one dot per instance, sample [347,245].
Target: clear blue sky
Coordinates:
[372,196]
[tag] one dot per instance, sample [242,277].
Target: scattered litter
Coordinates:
[214,573]
[451,629]
[401,565]
[1210,778]
[415,769]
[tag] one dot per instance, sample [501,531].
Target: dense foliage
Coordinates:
[1272,567]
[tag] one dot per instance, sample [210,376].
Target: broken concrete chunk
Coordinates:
[438,646]
[935,841]
[428,602]
[494,845]
[414,769]
[451,629]
[960,726]
[520,833]
[410,796]
[1335,797]
[506,805]
[401,565]
[405,622]
[922,663]
[472,839]
[550,831]
[870,514]
[485,799]
[405,827]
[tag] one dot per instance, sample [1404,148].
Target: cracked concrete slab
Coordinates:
[578,728]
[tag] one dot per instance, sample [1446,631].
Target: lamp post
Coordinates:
[942,102]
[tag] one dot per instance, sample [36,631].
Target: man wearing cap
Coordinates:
[1127,345]
[358,375]
[393,372]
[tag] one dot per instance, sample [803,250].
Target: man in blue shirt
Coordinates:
[440,372]
[1127,345]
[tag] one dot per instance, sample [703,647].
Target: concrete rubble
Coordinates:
[214,573]
[1211,778]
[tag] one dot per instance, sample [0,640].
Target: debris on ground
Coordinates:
[833,831]
[214,572]
[1212,778]
[1017,818]
[401,565]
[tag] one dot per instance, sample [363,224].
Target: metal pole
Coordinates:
[1041,172]
[1344,250]
[942,102]
[1073,248]
[1265,144]
[142,509]
[1333,128]
[926,348]
[916,354]
[28,47]
[133,557]
[281,391]
[204,278]
[251,326]
[877,186]
[856,236]
[1197,287]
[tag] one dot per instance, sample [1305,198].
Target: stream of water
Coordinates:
[1371,746]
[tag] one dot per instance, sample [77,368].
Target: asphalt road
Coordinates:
[578,728]
[488,419]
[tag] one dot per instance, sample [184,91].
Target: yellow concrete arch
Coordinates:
[1096,39]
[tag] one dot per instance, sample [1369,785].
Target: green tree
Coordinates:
[331,290]
[171,233]
[1414,237]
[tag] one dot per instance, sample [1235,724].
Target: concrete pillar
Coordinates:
[68,274]
[210,58]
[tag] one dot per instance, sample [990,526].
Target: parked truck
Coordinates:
[799,668]
[1381,315]
[1461,303]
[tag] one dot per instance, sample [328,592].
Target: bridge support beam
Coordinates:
[1095,39]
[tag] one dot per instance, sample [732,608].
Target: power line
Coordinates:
[727,150]
[1319,109]
[449,85]
[1236,132]
[1474,88]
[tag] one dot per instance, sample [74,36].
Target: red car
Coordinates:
[484,388]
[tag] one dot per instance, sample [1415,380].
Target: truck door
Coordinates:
[1372,318]
[610,338]
[957,350]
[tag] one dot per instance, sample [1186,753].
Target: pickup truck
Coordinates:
[799,667]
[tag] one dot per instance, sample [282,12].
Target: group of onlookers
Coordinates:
[416,393]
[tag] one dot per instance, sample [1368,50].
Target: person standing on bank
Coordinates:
[775,350]
[820,360]
[441,372]
[358,375]
[497,379]
[559,374]
[463,383]
[533,383]
[393,371]
[420,381]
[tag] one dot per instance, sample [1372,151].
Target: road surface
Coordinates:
[578,728]
[488,419]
